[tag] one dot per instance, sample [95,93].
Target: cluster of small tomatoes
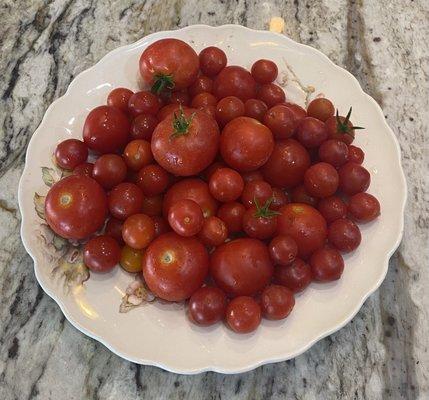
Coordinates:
[214,187]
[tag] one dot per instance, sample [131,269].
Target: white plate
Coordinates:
[160,334]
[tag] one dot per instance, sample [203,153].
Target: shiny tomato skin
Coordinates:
[75,207]
[311,132]
[202,84]
[264,71]
[282,121]
[353,178]
[251,176]
[356,154]
[241,267]
[299,112]
[260,191]
[137,154]
[335,133]
[258,227]
[277,302]
[321,180]
[185,217]
[296,276]
[143,126]
[327,265]
[119,98]
[85,168]
[234,81]
[228,108]
[70,153]
[305,225]
[203,99]
[301,195]
[232,214]
[138,231]
[226,185]
[332,208]
[106,130]
[364,207]
[334,152]
[131,259]
[168,110]
[214,231]
[114,229]
[255,108]
[174,267]
[212,60]
[283,250]
[246,144]
[271,94]
[279,199]
[243,314]
[152,205]
[321,108]
[189,153]
[124,200]
[179,97]
[153,180]
[207,306]
[161,225]
[344,235]
[109,170]
[101,253]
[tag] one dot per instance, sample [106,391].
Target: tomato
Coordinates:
[209,110]
[202,84]
[283,250]
[356,154]
[353,178]
[260,191]
[334,152]
[271,94]
[207,306]
[326,265]
[161,225]
[311,132]
[229,108]
[174,267]
[296,276]
[320,108]
[234,81]
[75,207]
[287,164]
[70,153]
[85,168]
[192,189]
[106,129]
[169,63]
[276,302]
[255,108]
[179,97]
[109,170]
[251,176]
[332,208]
[124,200]
[321,180]
[301,195]
[185,217]
[168,110]
[137,154]
[131,259]
[101,253]
[226,185]
[138,231]
[232,214]
[306,226]
[279,198]
[260,221]
[299,112]
[282,121]
[241,267]
[203,99]
[152,205]
[214,231]
[186,143]
[364,207]
[114,229]
[212,61]
[344,235]
[264,71]
[153,179]
[119,98]
[143,126]
[246,144]
[243,314]
[207,173]
[340,128]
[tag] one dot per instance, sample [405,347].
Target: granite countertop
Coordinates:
[382,353]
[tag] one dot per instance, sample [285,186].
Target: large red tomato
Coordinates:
[306,226]
[168,64]
[246,144]
[185,143]
[76,207]
[174,267]
[241,267]
[234,81]
[106,129]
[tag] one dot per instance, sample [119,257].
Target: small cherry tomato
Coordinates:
[243,314]
[353,178]
[169,110]
[143,102]
[114,229]
[276,302]
[161,225]
[299,112]
[232,214]
[311,132]
[320,108]
[207,306]
[283,250]
[153,179]
[208,172]
[85,168]
[212,61]
[332,208]
[234,81]
[279,198]
[282,121]
[138,231]
[255,108]
[264,71]
[260,191]
[119,98]
[271,94]
[214,231]
[259,221]
[344,235]
[131,259]
[334,152]
[185,217]
[70,153]
[301,195]
[251,176]
[179,97]
[321,180]
[226,185]
[364,207]
[209,110]
[124,200]
[356,154]
[296,276]
[137,154]
[202,84]
[101,253]
[228,108]
[109,170]
[326,265]
[341,128]
[152,205]
[143,126]
[203,99]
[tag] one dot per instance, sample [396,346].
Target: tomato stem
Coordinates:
[343,127]
[264,211]
[162,82]
[181,124]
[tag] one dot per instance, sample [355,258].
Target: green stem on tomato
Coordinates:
[264,211]
[181,124]
[162,82]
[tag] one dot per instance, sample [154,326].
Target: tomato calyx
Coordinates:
[181,124]
[162,82]
[343,126]
[264,211]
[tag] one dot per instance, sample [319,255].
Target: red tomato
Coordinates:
[326,265]
[321,180]
[271,94]
[356,154]
[353,178]
[208,172]
[287,164]
[282,121]
[226,185]
[260,191]
[137,154]
[138,231]
[251,176]
[334,152]
[124,200]
[75,207]
[364,207]
[311,132]
[203,99]
[101,253]
[212,60]
[143,102]
[306,226]
[344,235]
[185,217]
[320,108]
[161,225]
[153,179]
[260,222]
[207,306]
[214,232]
[186,143]
[301,195]
[106,129]
[276,302]
[143,126]
[264,71]
[280,198]
[119,98]
[202,84]
[283,250]
[85,168]
[174,267]
[168,110]
[152,205]
[246,144]
[234,81]
[295,277]
[114,229]
[341,128]
[70,153]
[332,208]
[168,64]
[255,108]
[241,267]
[299,112]
[179,97]
[109,170]
[232,214]
[228,108]
[243,314]
[209,110]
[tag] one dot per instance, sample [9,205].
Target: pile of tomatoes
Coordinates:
[214,187]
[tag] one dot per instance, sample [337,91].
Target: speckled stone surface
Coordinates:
[382,353]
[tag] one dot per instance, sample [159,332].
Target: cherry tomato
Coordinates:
[260,191]
[271,94]
[186,143]
[226,185]
[207,306]
[179,97]
[109,170]
[168,110]
[119,98]
[208,172]
[152,205]
[320,108]
[202,84]
[131,259]
[143,126]
[106,129]
[243,314]
[364,207]
[296,276]
[124,200]
[101,253]
[234,81]
[327,265]
[279,198]
[287,164]
[214,231]
[137,154]
[229,108]
[299,112]
[255,108]
[332,208]
[356,154]
[114,229]
[306,226]
[311,132]
[185,217]
[344,235]
[70,153]
[143,102]
[282,121]
[169,63]
[174,267]
[153,179]
[276,302]
[203,99]
[212,61]
[246,144]
[301,195]
[341,128]
[260,222]
[251,176]
[209,110]
[85,168]
[161,225]
[283,250]
[75,207]
[232,214]
[264,71]
[241,267]
[334,152]
[353,178]
[138,231]
[321,180]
